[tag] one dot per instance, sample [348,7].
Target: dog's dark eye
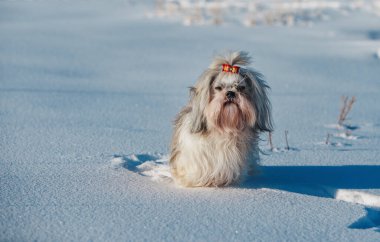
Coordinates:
[218,88]
[240,88]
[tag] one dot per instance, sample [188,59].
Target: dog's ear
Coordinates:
[199,98]
[260,100]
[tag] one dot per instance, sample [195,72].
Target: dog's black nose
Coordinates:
[230,95]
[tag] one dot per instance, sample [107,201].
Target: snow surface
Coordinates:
[88,92]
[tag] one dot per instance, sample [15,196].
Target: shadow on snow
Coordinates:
[292,178]
[327,181]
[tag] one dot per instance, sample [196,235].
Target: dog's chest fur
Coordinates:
[213,159]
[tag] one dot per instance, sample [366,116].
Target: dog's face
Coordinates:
[230,101]
[230,106]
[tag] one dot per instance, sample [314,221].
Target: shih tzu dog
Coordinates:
[215,141]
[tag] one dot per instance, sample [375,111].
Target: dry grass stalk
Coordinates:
[270,141]
[328,138]
[346,108]
[286,139]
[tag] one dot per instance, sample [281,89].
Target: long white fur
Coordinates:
[215,141]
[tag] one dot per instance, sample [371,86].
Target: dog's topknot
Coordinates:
[240,58]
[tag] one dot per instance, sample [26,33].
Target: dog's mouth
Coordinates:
[230,117]
[229,102]
[230,106]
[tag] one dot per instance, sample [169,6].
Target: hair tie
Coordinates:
[229,68]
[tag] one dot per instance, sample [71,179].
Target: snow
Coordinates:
[358,197]
[155,166]
[88,93]
[258,12]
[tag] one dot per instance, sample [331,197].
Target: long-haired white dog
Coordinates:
[215,141]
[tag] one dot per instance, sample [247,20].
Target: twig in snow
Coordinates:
[270,141]
[286,139]
[346,108]
[328,139]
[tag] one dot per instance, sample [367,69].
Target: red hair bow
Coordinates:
[229,68]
